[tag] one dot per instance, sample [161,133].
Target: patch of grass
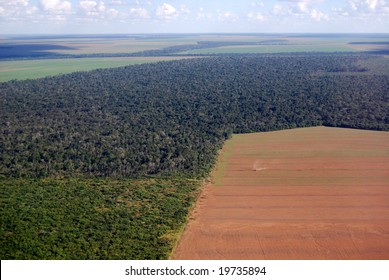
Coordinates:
[32,69]
[94,218]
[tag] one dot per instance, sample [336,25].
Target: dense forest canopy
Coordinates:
[171,118]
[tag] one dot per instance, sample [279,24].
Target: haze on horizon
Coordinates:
[202,16]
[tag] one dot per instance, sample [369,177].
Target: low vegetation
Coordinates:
[92,219]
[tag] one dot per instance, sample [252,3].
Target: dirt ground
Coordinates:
[311,193]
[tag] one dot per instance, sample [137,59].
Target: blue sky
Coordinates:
[201,16]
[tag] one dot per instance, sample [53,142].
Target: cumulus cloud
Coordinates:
[139,13]
[368,6]
[300,8]
[282,10]
[317,15]
[117,2]
[256,16]
[302,13]
[12,7]
[32,10]
[14,2]
[202,14]
[303,1]
[340,11]
[56,6]
[372,4]
[88,6]
[112,12]
[167,12]
[184,10]
[227,16]
[95,9]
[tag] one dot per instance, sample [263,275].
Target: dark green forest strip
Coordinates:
[92,219]
[171,118]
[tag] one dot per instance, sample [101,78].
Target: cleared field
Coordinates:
[77,46]
[275,49]
[312,193]
[31,69]
[286,44]
[49,46]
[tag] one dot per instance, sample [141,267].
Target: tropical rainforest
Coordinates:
[172,117]
[165,121]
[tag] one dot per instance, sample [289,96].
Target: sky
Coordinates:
[201,16]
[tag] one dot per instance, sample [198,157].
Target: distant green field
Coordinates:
[273,49]
[31,69]
[89,45]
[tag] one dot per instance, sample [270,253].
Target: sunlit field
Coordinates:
[32,69]
[311,193]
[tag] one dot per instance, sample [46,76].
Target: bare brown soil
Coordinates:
[312,193]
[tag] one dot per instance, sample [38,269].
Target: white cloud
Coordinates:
[282,10]
[184,10]
[202,14]
[14,2]
[88,5]
[32,10]
[139,13]
[317,15]
[101,7]
[300,8]
[12,7]
[112,12]
[346,14]
[24,12]
[372,4]
[167,12]
[97,9]
[277,9]
[353,5]
[227,16]
[303,1]
[368,6]
[256,16]
[117,2]
[340,11]
[303,7]
[56,6]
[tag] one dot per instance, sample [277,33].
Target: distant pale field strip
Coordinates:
[31,69]
[103,45]
[311,193]
[273,49]
[114,46]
